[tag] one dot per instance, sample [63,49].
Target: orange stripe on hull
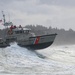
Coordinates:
[37,40]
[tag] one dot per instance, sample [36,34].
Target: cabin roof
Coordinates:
[26,29]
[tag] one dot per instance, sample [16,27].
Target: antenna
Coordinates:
[3,17]
[6,24]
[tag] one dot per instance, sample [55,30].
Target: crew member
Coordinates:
[20,26]
[11,27]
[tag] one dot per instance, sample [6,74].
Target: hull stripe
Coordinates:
[37,40]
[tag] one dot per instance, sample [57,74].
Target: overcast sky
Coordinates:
[54,13]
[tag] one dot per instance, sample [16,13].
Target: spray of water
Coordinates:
[17,60]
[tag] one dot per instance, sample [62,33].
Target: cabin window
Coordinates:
[26,31]
[16,32]
[19,32]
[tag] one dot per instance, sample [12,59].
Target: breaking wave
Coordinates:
[16,60]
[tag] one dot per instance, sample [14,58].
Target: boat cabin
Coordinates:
[21,30]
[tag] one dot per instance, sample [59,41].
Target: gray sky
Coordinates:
[55,13]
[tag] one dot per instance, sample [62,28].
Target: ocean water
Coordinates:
[54,60]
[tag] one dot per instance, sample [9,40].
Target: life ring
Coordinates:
[10,32]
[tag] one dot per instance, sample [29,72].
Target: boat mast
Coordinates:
[3,17]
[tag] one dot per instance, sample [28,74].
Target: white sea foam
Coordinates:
[59,60]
